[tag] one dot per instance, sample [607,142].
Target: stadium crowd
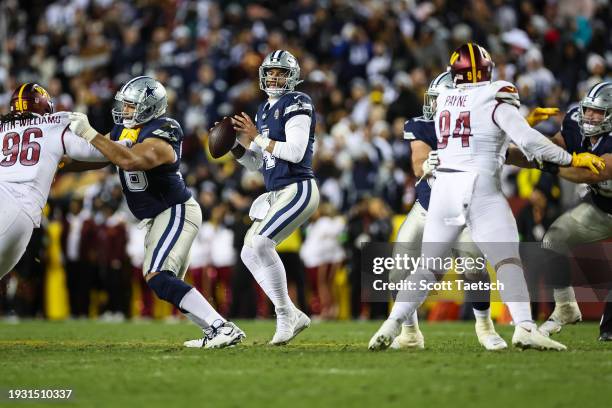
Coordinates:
[366,65]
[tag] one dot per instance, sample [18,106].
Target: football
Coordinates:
[221,138]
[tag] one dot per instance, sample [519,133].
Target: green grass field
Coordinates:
[144,364]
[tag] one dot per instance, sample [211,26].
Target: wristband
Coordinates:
[261,141]
[89,134]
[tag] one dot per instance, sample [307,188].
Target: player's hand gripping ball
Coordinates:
[221,138]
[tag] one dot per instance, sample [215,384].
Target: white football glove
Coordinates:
[79,124]
[431,163]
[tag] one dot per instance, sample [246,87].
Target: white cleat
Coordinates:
[410,338]
[289,323]
[383,338]
[527,335]
[219,335]
[488,337]
[564,313]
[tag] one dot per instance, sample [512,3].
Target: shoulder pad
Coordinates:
[297,102]
[570,120]
[507,93]
[420,129]
[167,129]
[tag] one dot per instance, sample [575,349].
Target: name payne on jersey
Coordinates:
[456,100]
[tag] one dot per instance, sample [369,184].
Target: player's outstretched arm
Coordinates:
[585,175]
[531,142]
[150,153]
[68,165]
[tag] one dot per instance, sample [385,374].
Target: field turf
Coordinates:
[145,365]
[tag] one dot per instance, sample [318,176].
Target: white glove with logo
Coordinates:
[79,124]
[431,163]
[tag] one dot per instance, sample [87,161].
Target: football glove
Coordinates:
[79,124]
[431,163]
[588,160]
[538,114]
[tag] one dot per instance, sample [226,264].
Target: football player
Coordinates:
[156,194]
[34,139]
[281,147]
[482,117]
[421,133]
[586,128]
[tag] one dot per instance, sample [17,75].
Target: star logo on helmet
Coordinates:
[149,91]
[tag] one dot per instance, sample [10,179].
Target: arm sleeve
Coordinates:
[80,149]
[252,159]
[531,142]
[297,132]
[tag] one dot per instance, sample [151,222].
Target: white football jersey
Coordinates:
[31,151]
[468,137]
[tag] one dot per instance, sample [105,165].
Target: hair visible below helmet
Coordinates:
[471,63]
[283,60]
[146,95]
[600,98]
[31,97]
[444,80]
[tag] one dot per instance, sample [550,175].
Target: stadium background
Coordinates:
[366,65]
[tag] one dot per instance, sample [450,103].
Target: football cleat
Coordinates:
[383,338]
[289,323]
[564,313]
[527,336]
[605,336]
[410,338]
[219,335]
[488,337]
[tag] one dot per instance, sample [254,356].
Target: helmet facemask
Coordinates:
[442,81]
[599,100]
[591,126]
[429,103]
[275,85]
[139,101]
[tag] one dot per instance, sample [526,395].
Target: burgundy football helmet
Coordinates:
[31,97]
[470,64]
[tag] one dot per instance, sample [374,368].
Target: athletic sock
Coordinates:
[482,314]
[412,320]
[195,304]
[515,294]
[564,295]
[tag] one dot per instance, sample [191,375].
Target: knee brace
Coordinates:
[168,287]
[265,249]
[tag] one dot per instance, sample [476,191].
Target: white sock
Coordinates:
[412,320]
[408,301]
[515,294]
[194,303]
[250,260]
[272,272]
[482,314]
[277,284]
[564,295]
[197,321]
